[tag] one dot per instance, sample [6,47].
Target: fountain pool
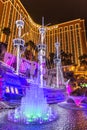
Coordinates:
[34,108]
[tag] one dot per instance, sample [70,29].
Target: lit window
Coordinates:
[12,90]
[7,90]
[16,90]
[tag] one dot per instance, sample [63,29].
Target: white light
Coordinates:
[7,90]
[16,90]
[12,90]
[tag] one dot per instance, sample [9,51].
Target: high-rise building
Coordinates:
[71,34]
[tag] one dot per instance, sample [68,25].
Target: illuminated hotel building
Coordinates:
[71,35]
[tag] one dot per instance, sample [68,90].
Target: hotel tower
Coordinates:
[71,34]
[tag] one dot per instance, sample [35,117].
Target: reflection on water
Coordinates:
[68,119]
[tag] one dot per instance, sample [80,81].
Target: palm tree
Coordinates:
[3,48]
[83,59]
[66,58]
[31,44]
[51,60]
[6,31]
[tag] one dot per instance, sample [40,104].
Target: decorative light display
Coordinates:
[34,107]
[19,42]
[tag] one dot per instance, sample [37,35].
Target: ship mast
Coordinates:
[18,42]
[41,51]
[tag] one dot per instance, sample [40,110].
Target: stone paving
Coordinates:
[68,119]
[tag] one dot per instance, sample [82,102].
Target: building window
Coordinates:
[77,28]
[66,38]
[72,41]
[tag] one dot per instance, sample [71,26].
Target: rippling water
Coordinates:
[68,119]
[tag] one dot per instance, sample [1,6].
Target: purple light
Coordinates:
[68,89]
[9,59]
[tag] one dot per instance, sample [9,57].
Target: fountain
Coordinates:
[74,101]
[34,107]
[77,99]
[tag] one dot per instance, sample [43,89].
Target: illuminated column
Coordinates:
[41,52]
[18,42]
[57,61]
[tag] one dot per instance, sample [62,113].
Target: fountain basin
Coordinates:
[75,103]
[32,119]
[77,99]
[34,108]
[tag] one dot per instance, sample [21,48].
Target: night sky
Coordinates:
[56,11]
